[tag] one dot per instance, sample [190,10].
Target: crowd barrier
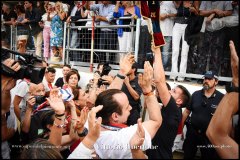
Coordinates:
[82,47]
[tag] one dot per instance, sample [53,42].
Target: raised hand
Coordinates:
[138,138]
[234,63]
[126,63]
[56,102]
[145,79]
[82,120]
[31,102]
[94,125]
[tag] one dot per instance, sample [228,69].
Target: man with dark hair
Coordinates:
[9,16]
[171,111]
[32,17]
[62,80]
[115,135]
[133,91]
[49,77]
[202,107]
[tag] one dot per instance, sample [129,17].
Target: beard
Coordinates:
[207,86]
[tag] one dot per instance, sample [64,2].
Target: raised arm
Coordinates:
[125,63]
[155,117]
[85,148]
[218,129]
[56,102]
[137,141]
[159,77]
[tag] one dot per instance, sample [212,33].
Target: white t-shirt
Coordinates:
[115,144]
[21,89]
[44,19]
[167,7]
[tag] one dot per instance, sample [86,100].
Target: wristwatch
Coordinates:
[84,133]
[121,76]
[231,88]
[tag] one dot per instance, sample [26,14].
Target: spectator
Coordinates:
[79,14]
[167,13]
[74,35]
[8,118]
[33,17]
[116,111]
[56,39]
[202,107]
[48,79]
[171,111]
[72,79]
[41,148]
[231,31]
[9,16]
[218,129]
[62,80]
[133,91]
[105,16]
[46,25]
[22,29]
[127,9]
[184,10]
[213,32]
[19,95]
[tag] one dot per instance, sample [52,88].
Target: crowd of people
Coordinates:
[189,28]
[103,119]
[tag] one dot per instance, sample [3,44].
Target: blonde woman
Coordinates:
[127,9]
[56,36]
[46,25]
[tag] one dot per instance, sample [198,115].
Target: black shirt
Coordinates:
[203,108]
[34,16]
[166,134]
[59,82]
[134,103]
[78,16]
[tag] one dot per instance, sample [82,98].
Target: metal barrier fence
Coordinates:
[95,43]
[83,46]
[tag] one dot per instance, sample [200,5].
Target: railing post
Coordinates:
[137,39]
[64,43]
[92,43]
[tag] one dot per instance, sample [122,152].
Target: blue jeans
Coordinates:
[166,51]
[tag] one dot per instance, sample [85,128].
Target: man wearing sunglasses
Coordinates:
[202,107]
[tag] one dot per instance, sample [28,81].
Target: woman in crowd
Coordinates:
[22,29]
[184,11]
[128,9]
[46,24]
[56,36]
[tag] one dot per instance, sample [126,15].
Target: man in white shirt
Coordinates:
[167,12]
[114,140]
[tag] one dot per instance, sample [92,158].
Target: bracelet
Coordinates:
[59,115]
[148,94]
[121,76]
[59,125]
[62,118]
[84,133]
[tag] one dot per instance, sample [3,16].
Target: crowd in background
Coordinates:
[195,33]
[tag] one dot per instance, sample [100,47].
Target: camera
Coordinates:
[27,70]
[105,71]
[150,58]
[40,99]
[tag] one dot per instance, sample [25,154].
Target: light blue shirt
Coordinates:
[105,11]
